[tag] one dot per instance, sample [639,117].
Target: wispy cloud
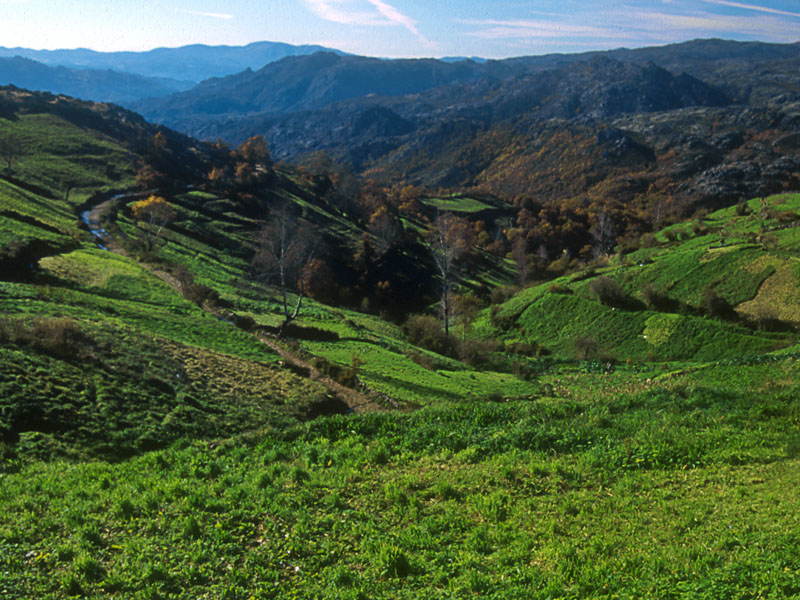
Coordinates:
[764,9]
[703,24]
[212,15]
[343,12]
[523,28]
[394,15]
[351,12]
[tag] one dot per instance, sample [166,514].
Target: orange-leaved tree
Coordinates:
[155,213]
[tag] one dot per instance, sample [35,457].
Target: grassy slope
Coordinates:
[668,480]
[100,357]
[758,278]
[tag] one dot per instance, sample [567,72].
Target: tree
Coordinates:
[10,149]
[285,248]
[386,228]
[254,150]
[449,240]
[604,233]
[156,213]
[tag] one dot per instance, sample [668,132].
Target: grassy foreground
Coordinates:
[624,487]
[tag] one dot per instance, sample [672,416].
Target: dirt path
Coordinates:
[355,400]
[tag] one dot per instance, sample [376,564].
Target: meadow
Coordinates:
[153,446]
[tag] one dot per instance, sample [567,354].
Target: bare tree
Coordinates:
[449,241]
[386,228]
[285,246]
[604,233]
[10,149]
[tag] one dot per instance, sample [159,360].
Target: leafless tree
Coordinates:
[449,241]
[285,246]
[386,228]
[604,233]
[10,149]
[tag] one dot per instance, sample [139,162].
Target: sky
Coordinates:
[394,28]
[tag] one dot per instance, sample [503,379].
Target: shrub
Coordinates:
[426,331]
[608,291]
[648,240]
[586,347]
[194,292]
[742,209]
[477,353]
[558,288]
[671,235]
[656,299]
[501,320]
[502,294]
[717,306]
[60,337]
[522,369]
[532,349]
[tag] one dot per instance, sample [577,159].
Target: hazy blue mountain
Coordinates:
[187,63]
[317,80]
[99,86]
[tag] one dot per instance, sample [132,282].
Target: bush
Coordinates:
[477,353]
[656,299]
[427,332]
[717,306]
[522,369]
[501,321]
[557,288]
[608,291]
[60,337]
[502,294]
[586,347]
[531,349]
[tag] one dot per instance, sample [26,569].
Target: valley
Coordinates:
[534,332]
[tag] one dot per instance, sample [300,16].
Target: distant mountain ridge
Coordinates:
[192,63]
[317,80]
[86,84]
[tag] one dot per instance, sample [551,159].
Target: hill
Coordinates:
[158,439]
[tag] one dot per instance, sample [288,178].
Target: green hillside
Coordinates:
[627,430]
[727,286]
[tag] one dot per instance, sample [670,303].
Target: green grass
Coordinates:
[59,154]
[629,489]
[461,204]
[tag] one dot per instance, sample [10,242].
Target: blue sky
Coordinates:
[395,28]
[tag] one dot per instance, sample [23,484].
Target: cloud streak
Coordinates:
[764,9]
[519,28]
[394,15]
[224,16]
[347,12]
[340,11]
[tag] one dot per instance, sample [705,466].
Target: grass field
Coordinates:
[629,489]
[605,446]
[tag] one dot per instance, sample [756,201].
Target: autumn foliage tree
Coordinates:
[155,213]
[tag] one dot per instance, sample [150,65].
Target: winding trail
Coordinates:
[355,400]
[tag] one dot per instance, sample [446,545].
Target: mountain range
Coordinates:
[192,63]
[705,121]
